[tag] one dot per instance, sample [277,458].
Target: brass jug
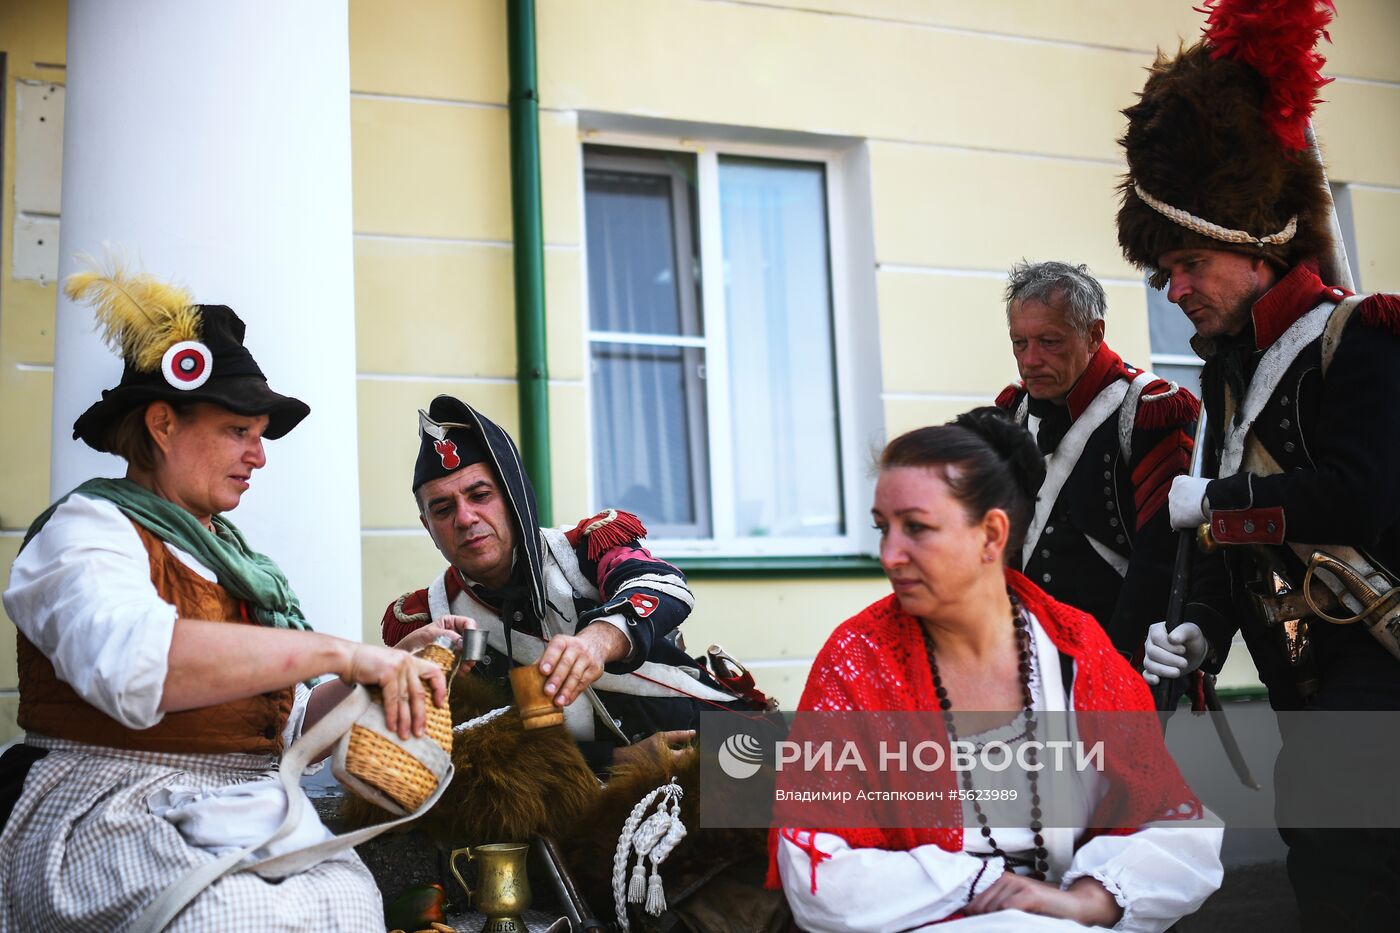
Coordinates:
[502,885]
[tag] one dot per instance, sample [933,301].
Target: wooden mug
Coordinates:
[537,709]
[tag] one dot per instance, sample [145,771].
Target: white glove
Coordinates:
[1173,655]
[1186,503]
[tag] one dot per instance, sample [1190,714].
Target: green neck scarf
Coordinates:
[245,573]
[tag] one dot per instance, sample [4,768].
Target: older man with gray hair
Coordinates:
[1114,437]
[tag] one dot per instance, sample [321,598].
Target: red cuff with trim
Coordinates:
[1247,526]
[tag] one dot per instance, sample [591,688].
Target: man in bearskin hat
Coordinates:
[1113,436]
[1226,203]
[590,606]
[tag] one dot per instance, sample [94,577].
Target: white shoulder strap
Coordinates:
[1062,462]
[437,597]
[1272,365]
[1127,412]
[557,544]
[1332,333]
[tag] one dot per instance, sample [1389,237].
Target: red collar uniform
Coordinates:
[1314,443]
[598,572]
[1305,432]
[1105,544]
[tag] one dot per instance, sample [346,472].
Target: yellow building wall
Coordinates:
[434,294]
[1376,222]
[32,40]
[990,130]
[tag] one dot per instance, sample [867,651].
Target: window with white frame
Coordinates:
[1169,334]
[713,334]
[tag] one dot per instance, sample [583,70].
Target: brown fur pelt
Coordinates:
[510,784]
[590,846]
[473,696]
[1197,140]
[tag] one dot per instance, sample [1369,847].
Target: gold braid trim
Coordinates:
[1216,232]
[407,619]
[1172,389]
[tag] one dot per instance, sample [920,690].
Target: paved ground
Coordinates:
[1255,897]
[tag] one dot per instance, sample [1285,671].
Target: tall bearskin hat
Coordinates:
[1218,146]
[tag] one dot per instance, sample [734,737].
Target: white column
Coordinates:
[211,140]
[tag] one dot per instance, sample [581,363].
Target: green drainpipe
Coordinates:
[532,367]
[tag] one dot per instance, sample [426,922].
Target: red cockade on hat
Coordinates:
[447,451]
[187,365]
[173,350]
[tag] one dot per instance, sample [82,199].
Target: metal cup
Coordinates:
[502,884]
[473,644]
[537,709]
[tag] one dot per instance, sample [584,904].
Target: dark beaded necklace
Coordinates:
[1041,864]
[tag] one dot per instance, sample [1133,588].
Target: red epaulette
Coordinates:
[404,615]
[1380,311]
[1007,397]
[608,529]
[1163,404]
[1169,458]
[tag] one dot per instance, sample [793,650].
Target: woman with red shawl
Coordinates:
[962,632]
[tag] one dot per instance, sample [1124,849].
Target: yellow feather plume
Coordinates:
[140,316]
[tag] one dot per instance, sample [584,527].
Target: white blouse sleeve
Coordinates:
[914,888]
[296,722]
[1158,874]
[81,591]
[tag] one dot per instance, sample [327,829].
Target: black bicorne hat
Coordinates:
[176,351]
[452,436]
[449,439]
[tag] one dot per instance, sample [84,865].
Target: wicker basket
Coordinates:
[383,764]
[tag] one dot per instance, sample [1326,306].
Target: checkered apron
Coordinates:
[82,851]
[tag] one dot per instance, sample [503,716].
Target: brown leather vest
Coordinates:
[49,706]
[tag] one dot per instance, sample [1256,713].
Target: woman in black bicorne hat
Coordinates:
[162,660]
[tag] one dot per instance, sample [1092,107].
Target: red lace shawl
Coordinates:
[876,661]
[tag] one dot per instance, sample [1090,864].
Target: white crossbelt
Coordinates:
[1061,463]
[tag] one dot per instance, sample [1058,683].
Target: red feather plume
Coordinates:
[1278,39]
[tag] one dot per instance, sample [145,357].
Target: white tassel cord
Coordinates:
[481,720]
[624,849]
[675,832]
[643,841]
[655,838]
